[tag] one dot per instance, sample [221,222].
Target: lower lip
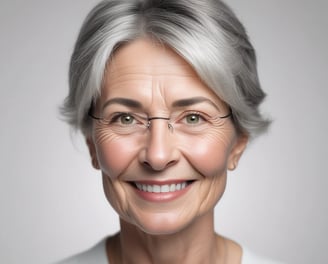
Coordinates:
[162,197]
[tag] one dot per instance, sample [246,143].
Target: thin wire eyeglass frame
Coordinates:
[149,119]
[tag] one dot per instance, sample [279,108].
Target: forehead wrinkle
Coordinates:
[119,77]
[174,69]
[127,79]
[142,77]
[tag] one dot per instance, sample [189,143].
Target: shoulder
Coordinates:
[95,254]
[249,257]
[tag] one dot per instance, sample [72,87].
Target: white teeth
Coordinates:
[161,189]
[165,188]
[172,188]
[156,189]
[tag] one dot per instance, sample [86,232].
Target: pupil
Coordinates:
[193,119]
[127,119]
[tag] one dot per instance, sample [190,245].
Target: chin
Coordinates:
[161,223]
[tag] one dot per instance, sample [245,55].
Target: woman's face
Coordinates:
[162,177]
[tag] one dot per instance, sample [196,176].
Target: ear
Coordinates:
[93,153]
[236,151]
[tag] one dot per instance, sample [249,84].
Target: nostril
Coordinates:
[158,167]
[152,166]
[172,162]
[146,163]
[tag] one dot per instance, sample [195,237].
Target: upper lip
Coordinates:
[166,182]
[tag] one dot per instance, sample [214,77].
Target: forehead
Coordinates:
[146,70]
[148,57]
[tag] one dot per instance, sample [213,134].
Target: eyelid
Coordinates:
[194,112]
[181,117]
[116,115]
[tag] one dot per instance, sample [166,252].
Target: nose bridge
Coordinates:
[150,119]
[160,151]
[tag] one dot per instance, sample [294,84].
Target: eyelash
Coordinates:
[116,116]
[202,116]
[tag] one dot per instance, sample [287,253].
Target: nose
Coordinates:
[160,150]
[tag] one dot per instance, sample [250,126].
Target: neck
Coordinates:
[196,243]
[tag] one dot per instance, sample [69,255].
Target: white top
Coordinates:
[97,254]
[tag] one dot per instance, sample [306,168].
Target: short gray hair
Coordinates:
[206,33]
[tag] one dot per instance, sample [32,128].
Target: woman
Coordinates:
[166,94]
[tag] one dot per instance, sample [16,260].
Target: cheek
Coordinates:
[209,154]
[115,155]
[115,195]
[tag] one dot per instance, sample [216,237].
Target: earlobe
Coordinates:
[93,154]
[237,151]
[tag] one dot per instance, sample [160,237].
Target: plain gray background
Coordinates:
[51,200]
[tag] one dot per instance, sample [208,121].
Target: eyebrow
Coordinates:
[179,103]
[192,101]
[123,101]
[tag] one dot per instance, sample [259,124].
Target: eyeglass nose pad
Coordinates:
[169,125]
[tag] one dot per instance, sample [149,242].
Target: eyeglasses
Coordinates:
[187,122]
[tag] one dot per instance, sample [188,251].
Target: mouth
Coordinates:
[162,187]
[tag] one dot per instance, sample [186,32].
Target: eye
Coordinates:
[122,119]
[126,119]
[192,119]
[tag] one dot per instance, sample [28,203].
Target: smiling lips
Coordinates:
[161,188]
[162,192]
